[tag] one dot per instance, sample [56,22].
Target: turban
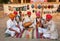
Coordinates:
[48,16]
[15,12]
[11,15]
[28,13]
[38,13]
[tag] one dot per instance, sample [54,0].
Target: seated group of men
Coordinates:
[19,27]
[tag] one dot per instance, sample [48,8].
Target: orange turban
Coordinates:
[11,15]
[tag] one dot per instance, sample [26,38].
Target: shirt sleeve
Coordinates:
[52,28]
[8,24]
[25,20]
[34,22]
[15,22]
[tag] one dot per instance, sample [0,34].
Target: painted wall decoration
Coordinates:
[16,8]
[19,7]
[24,8]
[33,11]
[1,7]
[49,6]
[39,6]
[32,6]
[10,8]
[58,10]
[28,7]
[52,6]
[45,6]
[36,6]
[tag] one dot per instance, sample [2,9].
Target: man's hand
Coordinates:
[16,32]
[17,25]
[13,30]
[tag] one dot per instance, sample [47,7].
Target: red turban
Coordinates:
[28,13]
[15,12]
[48,16]
[38,13]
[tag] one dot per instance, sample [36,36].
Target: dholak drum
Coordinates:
[27,24]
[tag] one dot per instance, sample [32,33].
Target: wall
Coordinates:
[24,12]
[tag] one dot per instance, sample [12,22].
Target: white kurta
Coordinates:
[12,24]
[40,30]
[52,30]
[26,32]
[21,25]
[28,19]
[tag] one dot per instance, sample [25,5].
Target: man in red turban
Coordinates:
[15,12]
[27,24]
[29,13]
[48,17]
[51,32]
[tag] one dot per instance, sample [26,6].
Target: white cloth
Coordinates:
[12,24]
[34,22]
[28,19]
[46,35]
[17,18]
[40,30]
[43,30]
[21,26]
[52,30]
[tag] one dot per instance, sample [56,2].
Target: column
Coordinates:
[21,1]
[57,0]
[12,1]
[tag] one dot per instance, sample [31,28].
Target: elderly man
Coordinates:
[51,28]
[12,28]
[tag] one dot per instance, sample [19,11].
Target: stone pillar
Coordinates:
[25,1]
[12,1]
[57,0]
[21,1]
[15,1]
